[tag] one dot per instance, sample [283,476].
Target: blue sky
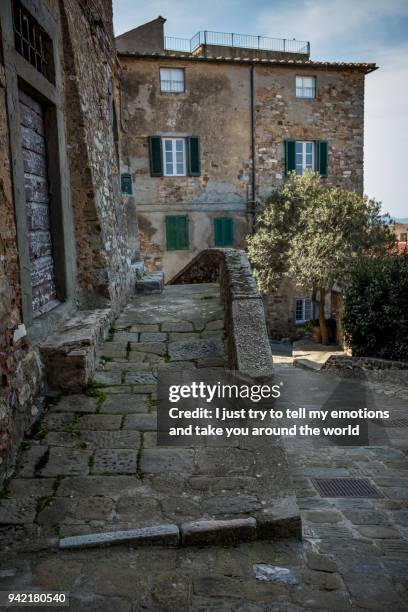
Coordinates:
[354,30]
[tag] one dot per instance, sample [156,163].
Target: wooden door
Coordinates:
[38,202]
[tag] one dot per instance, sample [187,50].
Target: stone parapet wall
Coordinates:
[368,367]
[248,344]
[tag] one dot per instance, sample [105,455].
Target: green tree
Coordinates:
[376,308]
[313,233]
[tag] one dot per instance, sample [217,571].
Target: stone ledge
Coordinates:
[69,356]
[249,349]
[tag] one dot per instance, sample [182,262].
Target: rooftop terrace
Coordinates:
[242,41]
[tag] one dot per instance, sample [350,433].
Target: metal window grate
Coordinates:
[32,41]
[345,487]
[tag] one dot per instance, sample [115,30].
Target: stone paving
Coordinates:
[93,464]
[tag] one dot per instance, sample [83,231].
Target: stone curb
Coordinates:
[201,532]
[159,534]
[216,532]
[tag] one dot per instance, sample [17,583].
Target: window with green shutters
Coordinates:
[173,156]
[223,231]
[303,155]
[177,233]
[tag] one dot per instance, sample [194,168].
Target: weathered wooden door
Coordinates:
[38,202]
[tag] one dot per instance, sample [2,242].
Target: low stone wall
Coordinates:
[371,367]
[248,343]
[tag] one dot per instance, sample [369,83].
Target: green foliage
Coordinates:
[376,308]
[313,233]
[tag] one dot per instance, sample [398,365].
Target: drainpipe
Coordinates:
[253,212]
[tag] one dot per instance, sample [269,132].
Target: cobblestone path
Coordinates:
[93,465]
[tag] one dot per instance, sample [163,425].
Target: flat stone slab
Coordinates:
[184,350]
[97,422]
[140,378]
[66,461]
[17,511]
[157,348]
[29,459]
[124,404]
[162,534]
[177,326]
[142,422]
[76,403]
[162,460]
[114,461]
[153,337]
[113,485]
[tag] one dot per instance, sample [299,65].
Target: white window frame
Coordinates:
[303,301]
[174,152]
[307,93]
[172,85]
[304,165]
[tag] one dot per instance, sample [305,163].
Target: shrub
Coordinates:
[376,308]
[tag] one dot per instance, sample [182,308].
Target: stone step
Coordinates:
[139,269]
[151,282]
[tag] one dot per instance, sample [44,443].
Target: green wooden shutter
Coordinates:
[290,155]
[156,156]
[126,184]
[177,233]
[322,154]
[194,165]
[223,231]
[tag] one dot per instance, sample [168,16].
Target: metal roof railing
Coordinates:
[244,41]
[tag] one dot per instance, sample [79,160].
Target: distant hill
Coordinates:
[400,219]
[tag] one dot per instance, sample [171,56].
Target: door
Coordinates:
[38,202]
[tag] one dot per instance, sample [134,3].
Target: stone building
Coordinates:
[213,126]
[66,240]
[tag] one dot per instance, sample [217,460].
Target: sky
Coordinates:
[351,30]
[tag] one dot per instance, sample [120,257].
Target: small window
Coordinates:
[305,156]
[177,238]
[303,310]
[126,184]
[223,231]
[174,155]
[172,80]
[403,238]
[305,87]
[32,41]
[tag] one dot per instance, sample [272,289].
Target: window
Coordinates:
[126,184]
[223,231]
[172,80]
[174,156]
[305,155]
[303,310]
[32,41]
[403,238]
[177,233]
[305,87]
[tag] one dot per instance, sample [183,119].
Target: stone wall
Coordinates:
[249,350]
[335,115]
[368,367]
[93,253]
[93,124]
